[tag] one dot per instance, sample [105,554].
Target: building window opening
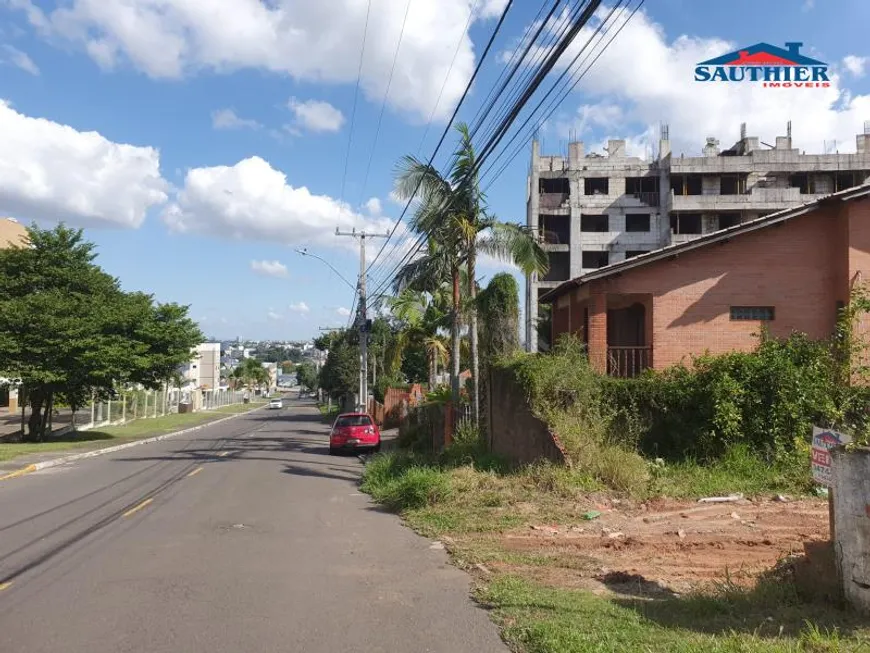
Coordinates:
[801,181]
[560,267]
[637,222]
[844,180]
[555,229]
[732,185]
[727,220]
[687,184]
[764,313]
[686,223]
[596,186]
[559,185]
[595,260]
[596,223]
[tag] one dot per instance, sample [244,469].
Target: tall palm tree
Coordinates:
[452,213]
[444,257]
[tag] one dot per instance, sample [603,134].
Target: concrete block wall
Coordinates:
[851,535]
[514,431]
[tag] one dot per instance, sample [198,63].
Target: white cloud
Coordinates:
[395,199]
[373,206]
[20,59]
[51,172]
[491,8]
[855,65]
[315,115]
[269,268]
[342,311]
[310,41]
[253,201]
[659,87]
[300,307]
[227,119]
[274,316]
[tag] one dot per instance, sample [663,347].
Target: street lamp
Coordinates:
[304,252]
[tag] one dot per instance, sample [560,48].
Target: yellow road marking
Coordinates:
[4,586]
[195,471]
[19,472]
[137,508]
[224,453]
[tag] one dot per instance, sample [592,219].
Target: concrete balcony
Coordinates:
[550,201]
[760,199]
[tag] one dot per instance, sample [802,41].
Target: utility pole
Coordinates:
[362,314]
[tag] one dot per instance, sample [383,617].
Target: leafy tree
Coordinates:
[69,331]
[340,373]
[250,373]
[499,307]
[306,374]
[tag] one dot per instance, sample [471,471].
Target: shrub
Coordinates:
[762,400]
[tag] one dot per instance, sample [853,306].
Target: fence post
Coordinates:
[93,409]
[123,409]
[109,411]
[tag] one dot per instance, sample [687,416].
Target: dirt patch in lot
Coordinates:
[663,546]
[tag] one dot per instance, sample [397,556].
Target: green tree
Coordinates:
[452,214]
[69,331]
[499,307]
[306,374]
[340,373]
[250,373]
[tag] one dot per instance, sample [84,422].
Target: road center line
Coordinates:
[4,586]
[195,471]
[223,453]
[137,508]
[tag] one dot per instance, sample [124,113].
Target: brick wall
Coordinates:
[795,267]
[514,432]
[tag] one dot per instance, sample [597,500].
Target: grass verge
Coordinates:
[108,436]
[767,619]
[468,500]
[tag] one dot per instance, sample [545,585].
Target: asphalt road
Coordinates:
[240,537]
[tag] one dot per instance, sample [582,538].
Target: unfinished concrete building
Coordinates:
[591,210]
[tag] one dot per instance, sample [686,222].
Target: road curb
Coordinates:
[54,462]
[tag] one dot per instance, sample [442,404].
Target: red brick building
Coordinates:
[790,270]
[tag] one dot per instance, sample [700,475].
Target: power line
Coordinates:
[500,132]
[447,127]
[355,96]
[554,104]
[479,120]
[384,103]
[447,76]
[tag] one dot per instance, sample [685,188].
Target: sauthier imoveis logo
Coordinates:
[767,64]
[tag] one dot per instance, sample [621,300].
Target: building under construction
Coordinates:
[591,210]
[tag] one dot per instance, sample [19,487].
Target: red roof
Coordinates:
[759,59]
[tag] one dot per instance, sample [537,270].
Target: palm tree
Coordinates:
[452,214]
[435,219]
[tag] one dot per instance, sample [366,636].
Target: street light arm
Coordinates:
[323,260]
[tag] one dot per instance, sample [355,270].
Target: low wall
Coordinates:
[514,432]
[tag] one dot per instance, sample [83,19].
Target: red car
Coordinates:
[354,431]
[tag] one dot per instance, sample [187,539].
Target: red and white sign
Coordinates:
[823,441]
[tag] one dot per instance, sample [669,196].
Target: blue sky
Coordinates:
[199,110]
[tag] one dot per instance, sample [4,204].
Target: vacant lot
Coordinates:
[567,567]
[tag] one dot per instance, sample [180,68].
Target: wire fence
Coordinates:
[148,404]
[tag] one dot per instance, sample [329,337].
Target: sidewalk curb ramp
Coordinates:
[54,462]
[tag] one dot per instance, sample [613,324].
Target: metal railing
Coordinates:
[627,362]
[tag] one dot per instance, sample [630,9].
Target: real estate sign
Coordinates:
[823,441]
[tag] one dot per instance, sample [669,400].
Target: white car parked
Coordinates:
[276,404]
